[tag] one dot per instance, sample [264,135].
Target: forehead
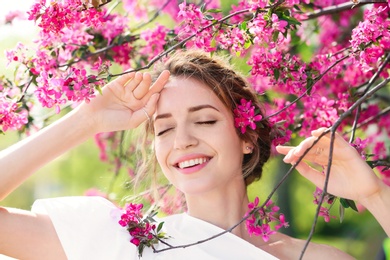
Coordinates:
[186,92]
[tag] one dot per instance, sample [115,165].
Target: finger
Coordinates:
[304,145]
[290,157]
[146,112]
[143,87]
[313,175]
[158,85]
[132,83]
[283,149]
[122,80]
[318,131]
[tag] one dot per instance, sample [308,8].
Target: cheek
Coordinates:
[160,151]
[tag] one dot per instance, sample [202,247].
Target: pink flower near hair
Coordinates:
[244,115]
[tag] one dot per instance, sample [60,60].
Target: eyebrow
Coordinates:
[191,109]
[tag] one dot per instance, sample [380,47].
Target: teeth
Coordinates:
[192,162]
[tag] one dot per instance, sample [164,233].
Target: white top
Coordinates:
[88,229]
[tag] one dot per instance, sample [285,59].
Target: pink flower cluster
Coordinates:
[75,86]
[324,211]
[142,230]
[282,121]
[57,15]
[258,223]
[235,39]
[193,22]
[287,73]
[245,115]
[155,40]
[373,36]
[14,15]
[11,116]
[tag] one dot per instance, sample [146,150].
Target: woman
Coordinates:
[200,150]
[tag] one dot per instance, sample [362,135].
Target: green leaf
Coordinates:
[371,163]
[159,227]
[99,89]
[153,213]
[344,203]
[208,17]
[352,204]
[341,212]
[214,11]
[243,26]
[247,44]
[91,48]
[213,43]
[309,85]
[202,8]
[290,20]
[348,204]
[276,74]
[275,35]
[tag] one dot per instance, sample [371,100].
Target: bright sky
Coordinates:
[20,31]
[20,27]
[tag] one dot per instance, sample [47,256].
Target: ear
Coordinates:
[247,147]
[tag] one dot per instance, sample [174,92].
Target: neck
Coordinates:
[223,207]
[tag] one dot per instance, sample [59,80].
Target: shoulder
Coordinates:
[286,247]
[88,227]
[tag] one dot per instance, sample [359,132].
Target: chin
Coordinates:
[196,188]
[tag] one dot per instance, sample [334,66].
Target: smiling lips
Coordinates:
[192,162]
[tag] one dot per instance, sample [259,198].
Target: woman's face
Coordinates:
[196,143]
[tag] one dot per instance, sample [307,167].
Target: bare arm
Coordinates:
[350,176]
[123,105]
[118,108]
[25,235]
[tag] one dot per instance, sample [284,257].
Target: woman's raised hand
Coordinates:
[350,176]
[125,102]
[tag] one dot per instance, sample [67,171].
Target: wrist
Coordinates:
[84,120]
[377,200]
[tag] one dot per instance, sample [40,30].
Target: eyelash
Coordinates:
[211,122]
[162,132]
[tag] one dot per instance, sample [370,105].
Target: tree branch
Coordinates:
[340,8]
[333,133]
[370,83]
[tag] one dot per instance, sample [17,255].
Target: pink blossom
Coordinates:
[258,221]
[155,41]
[244,115]
[193,22]
[257,4]
[11,116]
[13,15]
[278,25]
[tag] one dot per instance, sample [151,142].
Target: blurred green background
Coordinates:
[80,169]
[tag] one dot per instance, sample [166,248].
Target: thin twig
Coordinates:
[368,120]
[154,17]
[333,131]
[25,90]
[370,83]
[340,8]
[172,48]
[318,78]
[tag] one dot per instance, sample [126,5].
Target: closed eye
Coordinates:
[163,132]
[211,122]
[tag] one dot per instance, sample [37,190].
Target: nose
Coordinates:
[184,138]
